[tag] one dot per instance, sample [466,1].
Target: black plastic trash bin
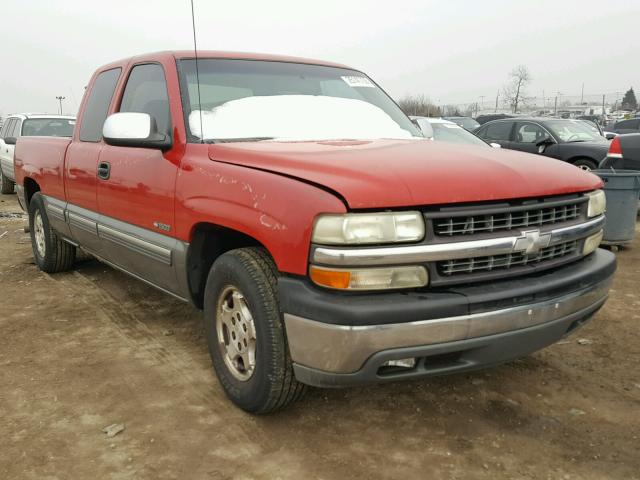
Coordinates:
[622,188]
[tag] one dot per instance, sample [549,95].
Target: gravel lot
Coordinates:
[82,350]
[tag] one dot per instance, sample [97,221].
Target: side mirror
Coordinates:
[133,129]
[544,143]
[10,140]
[607,135]
[495,145]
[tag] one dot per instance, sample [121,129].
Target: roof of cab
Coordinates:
[184,54]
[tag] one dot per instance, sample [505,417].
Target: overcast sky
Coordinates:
[451,50]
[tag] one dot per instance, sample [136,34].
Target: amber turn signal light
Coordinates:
[330,278]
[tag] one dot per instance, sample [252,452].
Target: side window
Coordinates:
[17,128]
[97,106]
[146,92]
[498,131]
[14,128]
[6,128]
[529,133]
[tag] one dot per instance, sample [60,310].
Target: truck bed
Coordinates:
[42,159]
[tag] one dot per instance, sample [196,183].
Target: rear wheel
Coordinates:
[245,333]
[585,164]
[52,254]
[6,185]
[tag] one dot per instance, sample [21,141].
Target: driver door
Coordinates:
[527,135]
[135,190]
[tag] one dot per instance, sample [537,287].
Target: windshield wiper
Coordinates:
[239,139]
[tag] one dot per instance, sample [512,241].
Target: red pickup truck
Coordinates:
[327,242]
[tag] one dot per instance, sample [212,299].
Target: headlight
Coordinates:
[367,228]
[370,278]
[592,242]
[597,203]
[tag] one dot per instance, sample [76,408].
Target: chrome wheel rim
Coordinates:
[586,168]
[38,234]
[236,333]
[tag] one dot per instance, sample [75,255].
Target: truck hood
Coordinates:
[403,173]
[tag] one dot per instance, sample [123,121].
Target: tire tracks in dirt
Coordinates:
[199,384]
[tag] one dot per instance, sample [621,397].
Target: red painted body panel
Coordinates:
[80,170]
[256,188]
[277,211]
[141,188]
[405,173]
[44,162]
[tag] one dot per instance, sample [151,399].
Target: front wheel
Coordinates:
[52,254]
[585,164]
[6,185]
[245,333]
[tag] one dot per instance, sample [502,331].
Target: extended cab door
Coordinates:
[136,188]
[81,161]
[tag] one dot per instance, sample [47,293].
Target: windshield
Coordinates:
[449,132]
[573,131]
[48,127]
[249,100]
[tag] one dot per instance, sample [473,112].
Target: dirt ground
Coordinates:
[89,348]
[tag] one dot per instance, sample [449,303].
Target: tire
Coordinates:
[585,164]
[51,253]
[6,185]
[247,277]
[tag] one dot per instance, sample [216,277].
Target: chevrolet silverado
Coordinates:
[328,243]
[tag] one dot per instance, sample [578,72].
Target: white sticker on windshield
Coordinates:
[72,122]
[357,81]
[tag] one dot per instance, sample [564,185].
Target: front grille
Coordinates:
[449,268]
[536,216]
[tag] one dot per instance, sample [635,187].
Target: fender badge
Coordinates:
[162,226]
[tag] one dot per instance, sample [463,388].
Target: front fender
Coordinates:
[275,210]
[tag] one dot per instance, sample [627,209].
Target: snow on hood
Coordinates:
[296,118]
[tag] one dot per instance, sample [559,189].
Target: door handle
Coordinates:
[104,170]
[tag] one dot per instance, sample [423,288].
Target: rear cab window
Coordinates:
[97,106]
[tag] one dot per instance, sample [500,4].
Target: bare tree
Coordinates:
[514,92]
[419,105]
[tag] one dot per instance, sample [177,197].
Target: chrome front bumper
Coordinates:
[343,349]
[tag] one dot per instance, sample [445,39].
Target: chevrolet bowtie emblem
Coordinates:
[532,241]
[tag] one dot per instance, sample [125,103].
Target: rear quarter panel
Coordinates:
[42,159]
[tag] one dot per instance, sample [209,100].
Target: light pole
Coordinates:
[60,98]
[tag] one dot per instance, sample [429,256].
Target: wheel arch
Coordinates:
[208,242]
[30,188]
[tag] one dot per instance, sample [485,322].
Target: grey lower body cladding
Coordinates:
[152,257]
[342,340]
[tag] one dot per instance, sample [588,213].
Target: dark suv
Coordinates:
[568,140]
[631,125]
